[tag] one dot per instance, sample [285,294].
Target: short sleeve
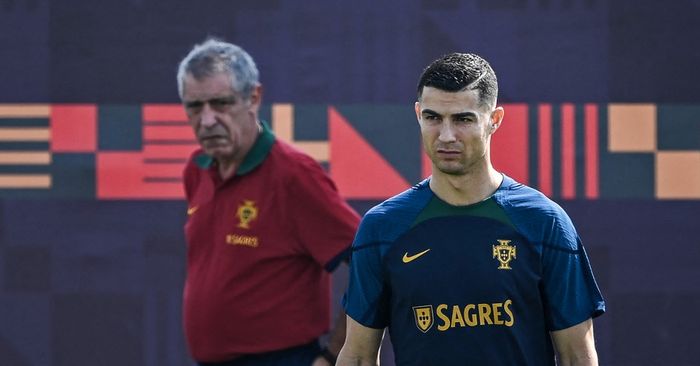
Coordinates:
[367,297]
[570,290]
[323,222]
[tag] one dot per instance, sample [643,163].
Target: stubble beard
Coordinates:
[457,167]
[451,168]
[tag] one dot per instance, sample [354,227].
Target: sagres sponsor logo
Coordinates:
[424,317]
[246,213]
[504,252]
[245,240]
[450,316]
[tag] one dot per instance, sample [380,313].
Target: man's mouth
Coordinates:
[210,137]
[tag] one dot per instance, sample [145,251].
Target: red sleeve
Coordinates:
[324,223]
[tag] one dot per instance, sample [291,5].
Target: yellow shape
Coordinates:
[25,157]
[24,110]
[283,127]
[283,121]
[319,150]
[410,258]
[632,127]
[25,181]
[24,134]
[678,174]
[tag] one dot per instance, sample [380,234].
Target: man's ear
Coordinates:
[496,118]
[255,98]
[417,108]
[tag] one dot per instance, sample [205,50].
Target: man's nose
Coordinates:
[208,116]
[447,132]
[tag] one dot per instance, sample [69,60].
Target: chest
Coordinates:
[240,218]
[454,257]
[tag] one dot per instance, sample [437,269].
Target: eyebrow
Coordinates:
[455,115]
[464,114]
[198,103]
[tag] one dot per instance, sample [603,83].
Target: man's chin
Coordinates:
[451,169]
[218,152]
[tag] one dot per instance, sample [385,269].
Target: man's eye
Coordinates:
[220,103]
[464,119]
[194,105]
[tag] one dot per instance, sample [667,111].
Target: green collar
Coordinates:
[255,156]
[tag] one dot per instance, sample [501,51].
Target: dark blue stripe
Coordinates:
[556,150]
[533,148]
[24,122]
[24,169]
[24,146]
[580,140]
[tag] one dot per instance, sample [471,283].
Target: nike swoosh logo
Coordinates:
[192,210]
[410,258]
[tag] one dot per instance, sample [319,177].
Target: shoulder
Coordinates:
[289,159]
[193,171]
[192,159]
[297,173]
[197,163]
[408,201]
[535,215]
[517,196]
[391,218]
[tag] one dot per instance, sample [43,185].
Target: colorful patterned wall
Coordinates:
[568,151]
[602,114]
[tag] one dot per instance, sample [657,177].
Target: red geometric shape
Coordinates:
[568,151]
[544,126]
[168,133]
[590,116]
[357,169]
[510,145]
[163,113]
[123,176]
[154,151]
[73,128]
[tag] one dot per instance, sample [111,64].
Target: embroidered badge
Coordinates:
[424,317]
[504,252]
[246,213]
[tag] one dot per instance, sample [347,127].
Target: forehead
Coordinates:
[445,102]
[217,85]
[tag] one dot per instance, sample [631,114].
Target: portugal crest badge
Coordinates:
[424,317]
[246,213]
[504,252]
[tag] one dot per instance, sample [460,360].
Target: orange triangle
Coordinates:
[358,170]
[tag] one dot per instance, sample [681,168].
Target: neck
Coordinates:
[467,188]
[227,169]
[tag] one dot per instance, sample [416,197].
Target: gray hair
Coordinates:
[213,57]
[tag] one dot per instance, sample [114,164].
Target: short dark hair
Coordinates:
[459,71]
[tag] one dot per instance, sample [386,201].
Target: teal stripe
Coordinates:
[487,209]
[24,122]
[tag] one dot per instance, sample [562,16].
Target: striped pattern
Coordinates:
[564,150]
[167,142]
[24,138]
[155,171]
